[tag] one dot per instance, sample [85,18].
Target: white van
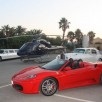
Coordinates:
[8,54]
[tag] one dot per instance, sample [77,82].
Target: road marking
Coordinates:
[82,100]
[5,86]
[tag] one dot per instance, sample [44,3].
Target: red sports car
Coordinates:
[56,75]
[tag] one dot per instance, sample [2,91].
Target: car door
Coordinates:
[5,54]
[11,53]
[94,55]
[90,55]
[76,77]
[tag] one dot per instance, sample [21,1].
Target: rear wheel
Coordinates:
[49,86]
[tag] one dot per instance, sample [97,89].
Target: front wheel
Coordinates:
[49,86]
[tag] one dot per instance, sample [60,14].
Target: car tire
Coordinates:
[0,58]
[48,86]
[101,79]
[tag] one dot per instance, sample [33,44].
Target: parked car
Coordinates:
[8,54]
[85,54]
[56,75]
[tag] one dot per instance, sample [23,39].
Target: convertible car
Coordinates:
[59,74]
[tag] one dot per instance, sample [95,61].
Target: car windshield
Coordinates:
[55,64]
[79,51]
[1,51]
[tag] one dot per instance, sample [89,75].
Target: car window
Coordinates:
[16,50]
[56,64]
[6,51]
[79,51]
[1,51]
[93,51]
[88,51]
[11,51]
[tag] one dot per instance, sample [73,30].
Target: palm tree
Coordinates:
[71,36]
[5,30]
[37,31]
[1,34]
[64,24]
[20,30]
[34,32]
[79,36]
[91,35]
[12,31]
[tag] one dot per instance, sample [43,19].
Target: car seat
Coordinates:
[70,62]
[77,64]
[81,64]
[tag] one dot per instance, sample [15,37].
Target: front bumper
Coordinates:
[27,87]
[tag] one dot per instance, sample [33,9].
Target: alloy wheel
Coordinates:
[49,87]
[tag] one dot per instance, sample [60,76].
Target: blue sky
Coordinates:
[45,15]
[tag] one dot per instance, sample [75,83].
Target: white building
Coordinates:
[85,42]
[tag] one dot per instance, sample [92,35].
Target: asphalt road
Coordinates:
[8,94]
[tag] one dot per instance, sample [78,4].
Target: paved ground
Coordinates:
[8,94]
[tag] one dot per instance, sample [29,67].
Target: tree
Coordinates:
[64,24]
[71,36]
[37,31]
[20,30]
[5,30]
[91,35]
[1,34]
[12,31]
[79,37]
[58,40]
[34,32]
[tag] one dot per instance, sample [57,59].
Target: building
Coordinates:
[85,41]
[97,43]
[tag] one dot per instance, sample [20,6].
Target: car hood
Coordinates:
[73,55]
[36,70]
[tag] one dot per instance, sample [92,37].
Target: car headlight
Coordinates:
[31,76]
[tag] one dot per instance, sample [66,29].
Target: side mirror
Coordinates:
[66,69]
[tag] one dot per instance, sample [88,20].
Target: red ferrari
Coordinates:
[56,75]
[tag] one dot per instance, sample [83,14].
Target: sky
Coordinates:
[85,15]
